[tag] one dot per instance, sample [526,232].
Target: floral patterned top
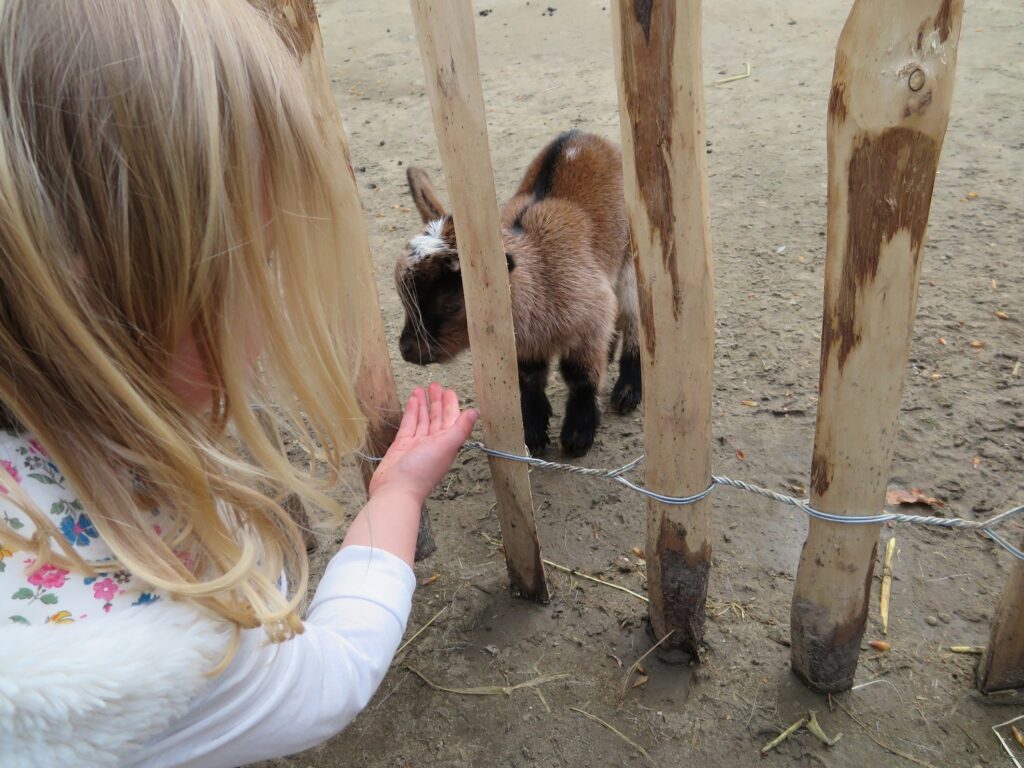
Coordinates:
[52,595]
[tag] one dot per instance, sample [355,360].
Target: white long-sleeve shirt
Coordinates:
[101,672]
[276,700]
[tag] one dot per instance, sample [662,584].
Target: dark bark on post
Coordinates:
[661,106]
[887,114]
[1002,666]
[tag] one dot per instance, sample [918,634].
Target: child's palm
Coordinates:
[432,431]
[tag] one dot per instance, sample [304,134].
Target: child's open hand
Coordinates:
[433,430]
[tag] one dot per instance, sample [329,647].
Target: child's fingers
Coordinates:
[456,437]
[464,424]
[423,414]
[451,409]
[436,408]
[409,418]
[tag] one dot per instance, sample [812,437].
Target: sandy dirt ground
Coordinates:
[961,434]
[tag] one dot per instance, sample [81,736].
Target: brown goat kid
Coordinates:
[571,274]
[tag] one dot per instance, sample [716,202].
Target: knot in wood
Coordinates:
[917,78]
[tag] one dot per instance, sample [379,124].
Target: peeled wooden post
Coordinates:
[1002,666]
[375,383]
[448,46]
[887,115]
[661,107]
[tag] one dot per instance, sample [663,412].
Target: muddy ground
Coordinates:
[961,437]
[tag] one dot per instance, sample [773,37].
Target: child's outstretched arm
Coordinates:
[432,431]
[276,700]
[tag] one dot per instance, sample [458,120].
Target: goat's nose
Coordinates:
[410,350]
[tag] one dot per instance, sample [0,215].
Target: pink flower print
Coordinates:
[185,557]
[105,589]
[12,471]
[48,577]
[37,447]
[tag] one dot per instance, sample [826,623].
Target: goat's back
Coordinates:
[583,170]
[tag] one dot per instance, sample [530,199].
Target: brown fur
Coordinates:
[567,238]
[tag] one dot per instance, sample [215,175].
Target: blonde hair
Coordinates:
[143,145]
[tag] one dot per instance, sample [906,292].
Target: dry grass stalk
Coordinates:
[814,727]
[883,603]
[638,662]
[488,690]
[975,650]
[577,574]
[879,742]
[573,571]
[419,631]
[734,78]
[784,735]
[614,730]
[810,722]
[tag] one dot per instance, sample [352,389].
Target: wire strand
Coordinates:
[984,527]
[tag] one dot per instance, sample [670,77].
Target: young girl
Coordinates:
[170,263]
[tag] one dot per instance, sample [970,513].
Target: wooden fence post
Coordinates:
[887,114]
[447,43]
[375,383]
[661,108]
[1002,666]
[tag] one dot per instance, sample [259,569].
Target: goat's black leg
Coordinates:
[582,415]
[533,379]
[628,390]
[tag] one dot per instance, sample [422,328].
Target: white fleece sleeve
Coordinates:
[275,700]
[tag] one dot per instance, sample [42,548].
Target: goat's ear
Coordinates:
[510,261]
[426,199]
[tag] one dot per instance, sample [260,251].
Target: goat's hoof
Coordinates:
[578,434]
[537,443]
[626,396]
[576,443]
[582,418]
[536,418]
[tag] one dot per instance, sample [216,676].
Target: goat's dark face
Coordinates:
[429,284]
